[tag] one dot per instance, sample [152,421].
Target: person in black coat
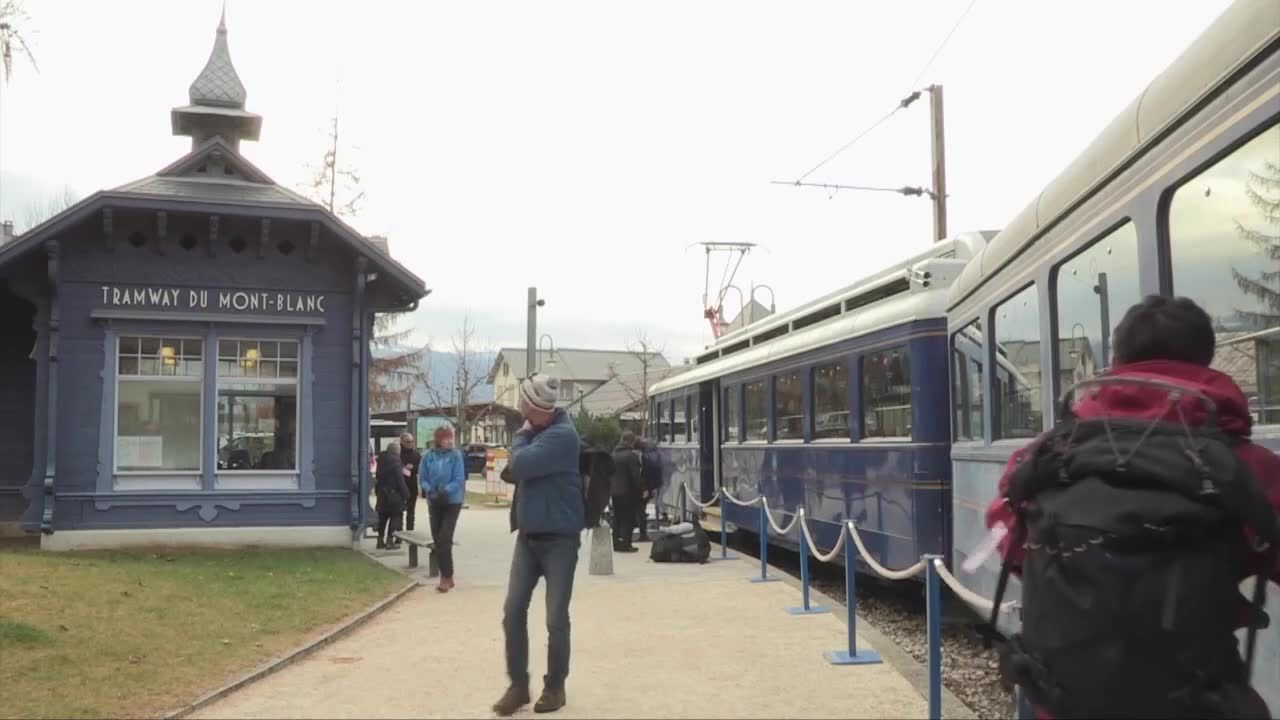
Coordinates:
[391,492]
[410,458]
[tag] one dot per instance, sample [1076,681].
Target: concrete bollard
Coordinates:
[601,550]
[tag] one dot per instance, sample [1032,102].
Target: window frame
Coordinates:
[989,335]
[805,416]
[849,363]
[1055,272]
[766,384]
[963,376]
[236,479]
[905,347]
[126,480]
[733,391]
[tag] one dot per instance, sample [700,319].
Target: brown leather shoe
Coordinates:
[511,701]
[551,701]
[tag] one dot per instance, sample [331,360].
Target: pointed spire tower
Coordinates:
[217,101]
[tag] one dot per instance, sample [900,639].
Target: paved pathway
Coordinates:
[651,641]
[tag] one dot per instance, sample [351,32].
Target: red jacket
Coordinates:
[1136,401]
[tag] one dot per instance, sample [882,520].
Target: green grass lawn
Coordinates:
[137,633]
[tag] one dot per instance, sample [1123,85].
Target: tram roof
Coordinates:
[1241,32]
[789,333]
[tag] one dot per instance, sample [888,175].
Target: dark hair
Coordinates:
[1162,328]
[628,438]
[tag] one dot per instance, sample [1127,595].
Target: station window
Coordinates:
[159,400]
[732,427]
[257,405]
[757,410]
[788,402]
[886,394]
[679,425]
[968,382]
[1094,289]
[1017,366]
[1224,245]
[831,401]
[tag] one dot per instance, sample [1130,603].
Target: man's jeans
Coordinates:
[554,557]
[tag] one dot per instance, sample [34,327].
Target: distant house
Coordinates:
[623,396]
[754,312]
[581,372]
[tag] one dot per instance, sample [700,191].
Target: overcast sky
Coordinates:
[584,146]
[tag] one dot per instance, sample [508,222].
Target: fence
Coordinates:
[933,567]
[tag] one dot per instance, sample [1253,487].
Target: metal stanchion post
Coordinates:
[852,656]
[724,531]
[1022,709]
[764,548]
[933,608]
[805,608]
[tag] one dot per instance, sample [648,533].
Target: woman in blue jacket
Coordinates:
[443,475]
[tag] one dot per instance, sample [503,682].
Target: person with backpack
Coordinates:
[1131,526]
[627,492]
[392,494]
[549,516]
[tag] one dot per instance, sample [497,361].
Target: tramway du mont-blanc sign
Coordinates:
[223,300]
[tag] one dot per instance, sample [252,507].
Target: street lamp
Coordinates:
[551,360]
[532,324]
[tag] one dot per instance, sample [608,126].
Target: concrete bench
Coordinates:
[415,541]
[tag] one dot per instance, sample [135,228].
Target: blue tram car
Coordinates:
[840,407]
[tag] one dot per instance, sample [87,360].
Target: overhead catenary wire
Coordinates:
[942,45]
[902,104]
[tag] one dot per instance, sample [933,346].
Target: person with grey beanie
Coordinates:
[548,516]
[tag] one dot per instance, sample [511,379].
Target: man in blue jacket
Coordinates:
[548,517]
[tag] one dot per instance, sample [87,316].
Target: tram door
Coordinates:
[708,437]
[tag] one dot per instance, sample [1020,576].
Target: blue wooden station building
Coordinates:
[185,358]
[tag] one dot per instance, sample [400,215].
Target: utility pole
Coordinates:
[531,344]
[939,164]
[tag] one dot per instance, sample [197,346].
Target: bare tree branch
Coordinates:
[39,211]
[646,352]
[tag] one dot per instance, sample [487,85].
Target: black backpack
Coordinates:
[1133,532]
[692,547]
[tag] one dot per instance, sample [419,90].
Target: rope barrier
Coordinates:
[704,505]
[813,546]
[965,593]
[768,516]
[755,501]
[936,574]
[881,570]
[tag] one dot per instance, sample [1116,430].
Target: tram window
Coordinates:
[756,406]
[788,401]
[694,411]
[1224,245]
[1094,289]
[886,394]
[731,424]
[679,429]
[664,421]
[968,382]
[831,401]
[1017,368]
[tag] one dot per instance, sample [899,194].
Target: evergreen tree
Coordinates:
[1263,191]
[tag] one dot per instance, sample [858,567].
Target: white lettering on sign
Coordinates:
[256,301]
